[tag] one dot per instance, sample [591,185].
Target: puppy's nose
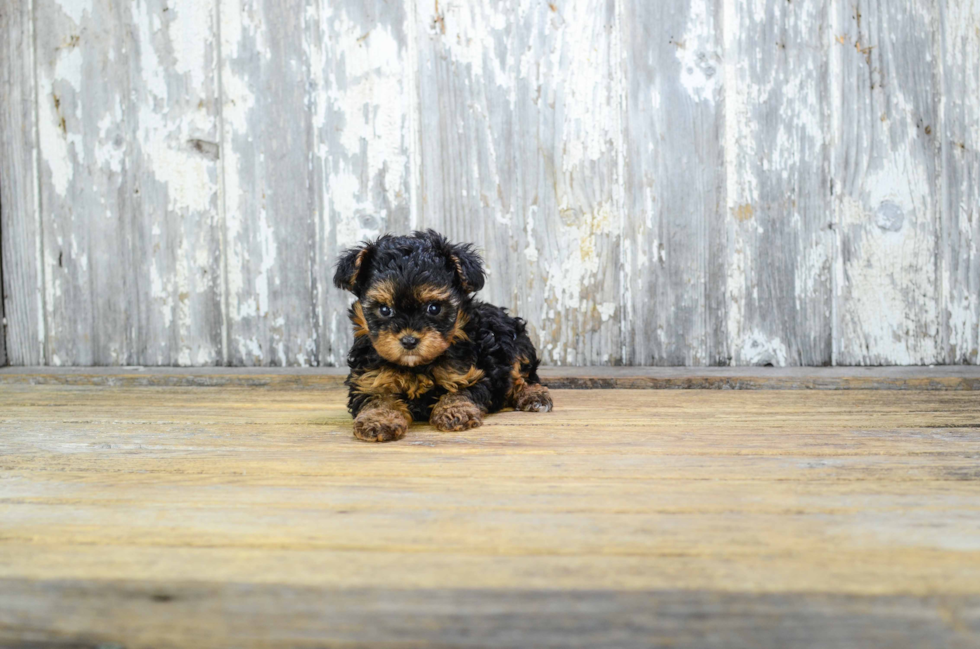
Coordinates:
[409,342]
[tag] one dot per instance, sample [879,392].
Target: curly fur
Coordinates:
[469,358]
[382,420]
[456,412]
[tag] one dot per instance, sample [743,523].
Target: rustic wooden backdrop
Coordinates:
[677,182]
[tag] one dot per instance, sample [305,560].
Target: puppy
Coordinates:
[424,349]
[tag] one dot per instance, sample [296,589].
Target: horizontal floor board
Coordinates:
[176,614]
[623,518]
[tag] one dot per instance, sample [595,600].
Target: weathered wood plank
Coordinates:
[886,182]
[3,321]
[520,153]
[364,158]
[317,101]
[161,213]
[779,307]
[20,226]
[658,378]
[674,274]
[139,614]
[269,193]
[960,148]
[129,182]
[799,517]
[87,213]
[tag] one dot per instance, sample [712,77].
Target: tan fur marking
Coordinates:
[456,412]
[457,333]
[382,420]
[383,292]
[388,381]
[459,271]
[517,379]
[431,346]
[360,324]
[432,293]
[357,266]
[388,345]
[454,380]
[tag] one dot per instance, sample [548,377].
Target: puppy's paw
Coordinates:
[455,412]
[533,398]
[380,424]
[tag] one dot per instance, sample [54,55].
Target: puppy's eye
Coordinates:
[433,309]
[385,311]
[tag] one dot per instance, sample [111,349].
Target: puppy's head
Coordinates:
[411,294]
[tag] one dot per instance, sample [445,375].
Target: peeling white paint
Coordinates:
[75,9]
[758,349]
[534,144]
[470,35]
[588,108]
[153,73]
[698,55]
[531,253]
[267,241]
[190,29]
[606,310]
[60,146]
[54,147]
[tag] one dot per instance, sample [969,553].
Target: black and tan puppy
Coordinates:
[424,349]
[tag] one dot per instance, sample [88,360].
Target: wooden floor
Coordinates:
[235,516]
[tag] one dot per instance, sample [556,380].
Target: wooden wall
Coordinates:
[684,182]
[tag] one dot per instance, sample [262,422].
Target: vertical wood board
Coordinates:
[362,103]
[778,219]
[520,152]
[674,237]
[129,183]
[20,235]
[886,183]
[267,137]
[960,148]
[704,182]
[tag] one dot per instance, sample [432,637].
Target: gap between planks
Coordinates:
[964,377]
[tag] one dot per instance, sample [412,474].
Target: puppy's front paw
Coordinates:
[455,412]
[380,424]
[533,398]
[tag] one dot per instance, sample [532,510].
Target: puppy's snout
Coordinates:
[409,342]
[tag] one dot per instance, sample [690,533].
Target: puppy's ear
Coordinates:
[469,267]
[352,267]
[465,261]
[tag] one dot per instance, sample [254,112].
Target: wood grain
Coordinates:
[675,238]
[821,512]
[273,615]
[960,147]
[129,182]
[961,378]
[701,182]
[779,256]
[886,179]
[365,155]
[20,231]
[269,193]
[520,141]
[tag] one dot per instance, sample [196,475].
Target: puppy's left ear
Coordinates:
[469,267]
[352,267]
[461,257]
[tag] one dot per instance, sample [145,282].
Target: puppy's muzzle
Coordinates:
[409,342]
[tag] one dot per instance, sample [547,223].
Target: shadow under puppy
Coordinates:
[423,347]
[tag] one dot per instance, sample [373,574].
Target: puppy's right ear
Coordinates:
[352,267]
